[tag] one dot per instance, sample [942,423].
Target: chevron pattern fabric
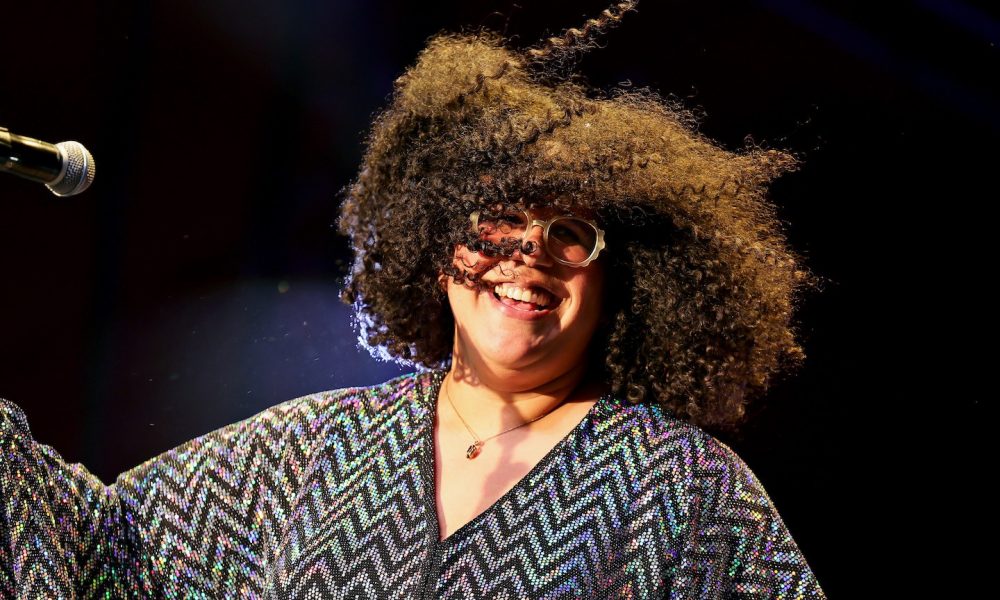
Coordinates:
[332,496]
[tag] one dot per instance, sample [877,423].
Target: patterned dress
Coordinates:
[332,496]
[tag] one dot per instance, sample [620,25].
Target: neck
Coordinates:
[491,401]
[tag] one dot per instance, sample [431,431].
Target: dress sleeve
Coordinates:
[738,546]
[63,533]
[200,520]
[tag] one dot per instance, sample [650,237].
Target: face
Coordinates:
[504,334]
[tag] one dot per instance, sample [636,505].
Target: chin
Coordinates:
[514,354]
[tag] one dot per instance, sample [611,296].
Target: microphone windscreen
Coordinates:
[77,170]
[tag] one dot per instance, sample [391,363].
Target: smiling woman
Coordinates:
[584,283]
[486,194]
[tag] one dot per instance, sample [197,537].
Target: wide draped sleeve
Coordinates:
[200,520]
[63,533]
[737,545]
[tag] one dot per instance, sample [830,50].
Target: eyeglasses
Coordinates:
[571,241]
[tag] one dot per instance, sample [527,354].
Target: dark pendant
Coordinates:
[473,450]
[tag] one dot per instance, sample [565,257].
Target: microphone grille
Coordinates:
[78,170]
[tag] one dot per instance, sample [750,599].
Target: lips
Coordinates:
[523,314]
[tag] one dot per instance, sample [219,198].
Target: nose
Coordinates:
[538,256]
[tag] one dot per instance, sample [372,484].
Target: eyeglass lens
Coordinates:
[570,239]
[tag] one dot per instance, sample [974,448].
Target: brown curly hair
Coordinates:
[702,283]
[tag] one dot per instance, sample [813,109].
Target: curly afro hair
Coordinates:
[702,283]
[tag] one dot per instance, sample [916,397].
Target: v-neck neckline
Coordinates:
[432,389]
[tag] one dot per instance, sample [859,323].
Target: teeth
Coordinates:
[523,294]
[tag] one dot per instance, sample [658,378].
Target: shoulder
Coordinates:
[675,450]
[297,428]
[675,462]
[389,395]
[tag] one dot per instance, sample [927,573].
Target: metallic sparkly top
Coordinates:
[332,496]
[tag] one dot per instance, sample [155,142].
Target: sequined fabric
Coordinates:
[332,496]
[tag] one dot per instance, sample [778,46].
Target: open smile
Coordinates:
[521,310]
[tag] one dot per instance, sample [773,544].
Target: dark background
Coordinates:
[197,282]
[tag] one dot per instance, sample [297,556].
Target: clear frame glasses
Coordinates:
[571,241]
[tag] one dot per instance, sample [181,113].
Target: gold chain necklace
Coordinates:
[473,450]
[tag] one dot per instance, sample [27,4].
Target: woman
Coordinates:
[588,283]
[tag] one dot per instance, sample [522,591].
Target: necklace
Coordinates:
[473,450]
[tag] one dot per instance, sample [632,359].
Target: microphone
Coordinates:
[66,168]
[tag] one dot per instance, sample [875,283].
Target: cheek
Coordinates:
[463,257]
[472,262]
[469,266]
